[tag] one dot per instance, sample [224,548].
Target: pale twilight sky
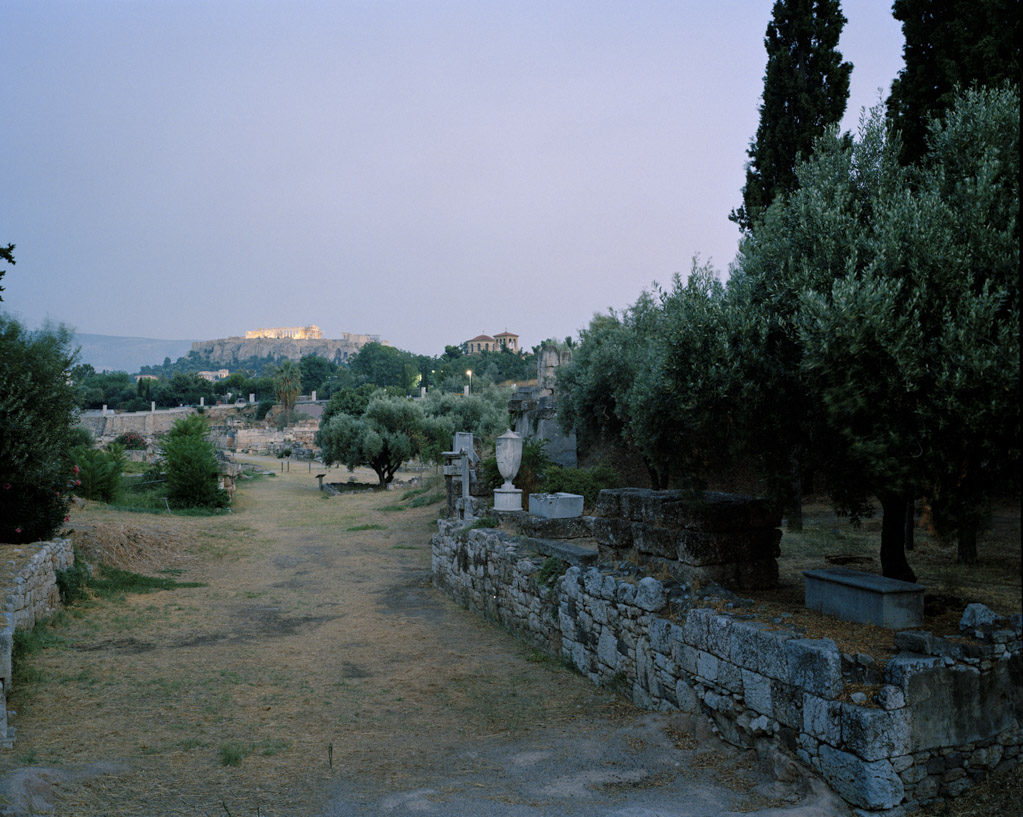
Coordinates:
[425,171]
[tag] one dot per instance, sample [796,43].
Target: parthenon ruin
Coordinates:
[311,332]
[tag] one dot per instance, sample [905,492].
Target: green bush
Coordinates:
[587,482]
[191,465]
[99,472]
[37,431]
[263,408]
[73,581]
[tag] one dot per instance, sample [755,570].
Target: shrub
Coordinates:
[99,472]
[37,431]
[73,581]
[131,440]
[587,482]
[191,464]
[263,408]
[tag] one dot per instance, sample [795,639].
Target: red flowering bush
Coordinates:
[131,440]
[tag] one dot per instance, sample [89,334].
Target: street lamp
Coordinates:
[469,372]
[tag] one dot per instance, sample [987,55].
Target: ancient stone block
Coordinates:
[875,733]
[815,665]
[607,648]
[709,548]
[743,648]
[822,718]
[707,665]
[918,641]
[650,595]
[613,532]
[757,692]
[556,506]
[688,700]
[957,705]
[872,785]
[730,676]
[787,701]
[854,595]
[890,697]
[664,635]
[656,541]
[695,628]
[772,660]
[719,635]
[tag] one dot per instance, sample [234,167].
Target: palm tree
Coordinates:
[288,385]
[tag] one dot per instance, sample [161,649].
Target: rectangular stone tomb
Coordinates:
[866,598]
[556,506]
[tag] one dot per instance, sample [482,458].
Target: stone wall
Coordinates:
[888,740]
[724,538]
[298,437]
[30,595]
[147,423]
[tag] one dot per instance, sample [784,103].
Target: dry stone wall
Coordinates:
[931,723]
[105,427]
[723,538]
[30,595]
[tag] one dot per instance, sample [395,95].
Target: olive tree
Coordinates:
[887,304]
[384,436]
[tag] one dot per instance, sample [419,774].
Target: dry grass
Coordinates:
[827,540]
[314,653]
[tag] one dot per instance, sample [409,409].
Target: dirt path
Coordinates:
[322,665]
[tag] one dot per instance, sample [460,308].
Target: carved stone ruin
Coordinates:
[457,464]
[714,537]
[534,409]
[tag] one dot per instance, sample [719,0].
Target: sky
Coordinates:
[423,171]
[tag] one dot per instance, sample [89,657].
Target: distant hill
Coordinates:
[115,353]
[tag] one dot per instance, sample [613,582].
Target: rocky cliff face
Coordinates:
[233,350]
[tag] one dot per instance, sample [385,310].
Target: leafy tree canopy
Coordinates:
[382,438]
[957,44]
[37,430]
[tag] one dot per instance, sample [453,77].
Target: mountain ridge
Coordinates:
[127,354]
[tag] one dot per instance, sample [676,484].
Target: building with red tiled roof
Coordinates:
[485,343]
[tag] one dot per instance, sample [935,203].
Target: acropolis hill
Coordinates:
[281,342]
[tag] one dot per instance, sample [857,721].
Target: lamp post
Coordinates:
[469,372]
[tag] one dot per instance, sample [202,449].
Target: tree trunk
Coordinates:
[966,537]
[794,515]
[893,537]
[658,478]
[910,523]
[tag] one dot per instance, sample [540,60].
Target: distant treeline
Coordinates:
[178,383]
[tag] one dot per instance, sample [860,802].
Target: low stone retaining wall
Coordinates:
[106,427]
[30,594]
[888,740]
[723,538]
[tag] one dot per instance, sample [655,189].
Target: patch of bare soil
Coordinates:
[828,540]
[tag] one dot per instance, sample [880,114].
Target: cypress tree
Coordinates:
[806,86]
[949,44]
